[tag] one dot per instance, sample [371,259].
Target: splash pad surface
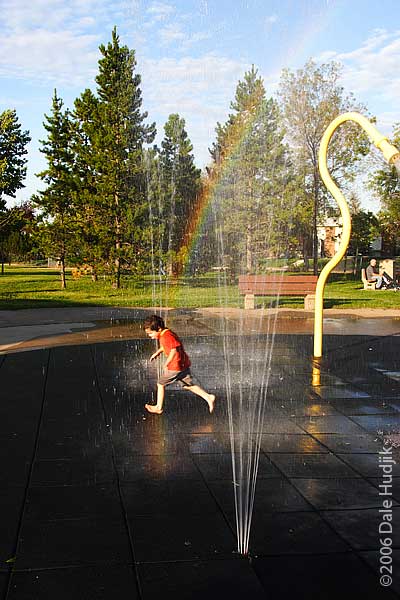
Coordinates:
[42,328]
[102,497]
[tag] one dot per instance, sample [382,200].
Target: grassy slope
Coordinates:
[30,287]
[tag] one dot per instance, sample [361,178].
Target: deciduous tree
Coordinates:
[311,98]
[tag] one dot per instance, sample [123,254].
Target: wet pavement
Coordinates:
[101,500]
[30,329]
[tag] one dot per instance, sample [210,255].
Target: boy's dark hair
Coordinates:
[154,323]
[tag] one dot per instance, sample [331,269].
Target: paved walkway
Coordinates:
[101,500]
[38,328]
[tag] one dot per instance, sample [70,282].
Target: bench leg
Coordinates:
[309,302]
[249,301]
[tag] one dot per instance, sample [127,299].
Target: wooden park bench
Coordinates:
[282,285]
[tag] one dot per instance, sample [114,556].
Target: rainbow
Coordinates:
[316,22]
[236,133]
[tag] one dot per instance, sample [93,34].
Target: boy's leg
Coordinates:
[209,398]
[157,408]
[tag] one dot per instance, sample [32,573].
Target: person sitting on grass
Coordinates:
[372,275]
[176,367]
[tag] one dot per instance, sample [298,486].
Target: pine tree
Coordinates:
[181,185]
[155,192]
[13,144]
[57,229]
[250,172]
[120,133]
[13,151]
[89,205]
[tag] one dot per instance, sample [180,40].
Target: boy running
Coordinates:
[176,367]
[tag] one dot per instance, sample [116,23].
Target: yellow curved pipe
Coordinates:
[391,154]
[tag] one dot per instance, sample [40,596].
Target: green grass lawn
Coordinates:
[37,287]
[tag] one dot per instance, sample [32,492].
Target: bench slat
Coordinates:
[278,278]
[287,285]
[272,290]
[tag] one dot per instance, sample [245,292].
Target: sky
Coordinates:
[191,54]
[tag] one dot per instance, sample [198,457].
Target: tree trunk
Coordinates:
[355,261]
[315,221]
[305,254]
[117,266]
[117,262]
[62,273]
[249,257]
[93,272]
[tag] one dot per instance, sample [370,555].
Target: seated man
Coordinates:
[373,275]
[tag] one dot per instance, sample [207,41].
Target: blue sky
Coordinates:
[191,54]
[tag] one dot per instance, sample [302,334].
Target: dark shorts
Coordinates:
[184,378]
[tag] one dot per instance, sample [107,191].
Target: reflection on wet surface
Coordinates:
[48,335]
[98,453]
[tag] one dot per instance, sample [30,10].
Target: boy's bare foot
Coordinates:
[211,402]
[152,408]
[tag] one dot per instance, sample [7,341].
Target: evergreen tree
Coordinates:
[89,205]
[14,229]
[57,229]
[13,151]
[156,207]
[181,185]
[17,241]
[120,133]
[250,173]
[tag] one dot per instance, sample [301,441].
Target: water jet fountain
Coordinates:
[247,354]
[392,155]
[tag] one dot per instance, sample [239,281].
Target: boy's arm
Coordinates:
[170,357]
[153,356]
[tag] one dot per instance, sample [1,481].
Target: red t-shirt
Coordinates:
[169,340]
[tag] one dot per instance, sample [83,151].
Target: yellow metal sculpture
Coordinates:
[392,155]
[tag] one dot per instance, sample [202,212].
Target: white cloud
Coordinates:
[372,69]
[42,55]
[199,36]
[54,40]
[86,22]
[271,19]
[371,72]
[160,11]
[386,120]
[199,89]
[7,102]
[20,15]
[172,34]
